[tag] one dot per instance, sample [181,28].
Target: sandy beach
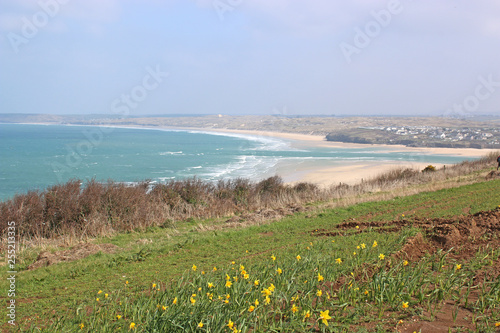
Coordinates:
[351,173]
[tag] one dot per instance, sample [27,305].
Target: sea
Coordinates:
[35,157]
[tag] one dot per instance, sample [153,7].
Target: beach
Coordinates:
[353,172]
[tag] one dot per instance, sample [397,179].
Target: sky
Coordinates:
[286,57]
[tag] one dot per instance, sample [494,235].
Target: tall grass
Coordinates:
[93,209]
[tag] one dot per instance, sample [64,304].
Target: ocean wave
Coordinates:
[171,153]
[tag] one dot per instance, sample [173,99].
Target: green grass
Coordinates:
[70,290]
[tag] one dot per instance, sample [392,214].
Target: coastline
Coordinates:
[326,174]
[351,173]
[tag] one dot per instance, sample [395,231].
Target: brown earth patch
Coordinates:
[463,235]
[79,251]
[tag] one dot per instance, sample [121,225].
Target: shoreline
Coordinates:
[333,173]
[354,172]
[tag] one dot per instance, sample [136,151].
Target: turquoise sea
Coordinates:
[38,156]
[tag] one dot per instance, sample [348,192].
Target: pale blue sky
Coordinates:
[250,57]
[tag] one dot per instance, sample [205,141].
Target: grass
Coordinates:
[61,297]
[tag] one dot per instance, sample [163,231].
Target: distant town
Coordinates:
[477,137]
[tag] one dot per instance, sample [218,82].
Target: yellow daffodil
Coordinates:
[200,324]
[458,267]
[298,257]
[210,285]
[320,277]
[363,245]
[214,269]
[230,324]
[338,261]
[381,256]
[273,257]
[153,285]
[106,295]
[319,293]
[306,314]
[99,292]
[271,287]
[267,300]
[81,326]
[242,268]
[174,301]
[266,292]
[294,308]
[404,305]
[324,316]
[405,263]
[251,308]
[118,317]
[192,300]
[279,270]
[246,276]
[132,326]
[194,268]
[256,283]
[256,302]
[374,244]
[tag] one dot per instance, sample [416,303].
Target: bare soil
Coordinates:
[464,236]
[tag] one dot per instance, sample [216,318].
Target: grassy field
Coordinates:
[314,271]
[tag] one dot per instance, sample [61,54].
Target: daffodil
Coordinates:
[306,314]
[458,267]
[251,308]
[324,316]
[174,301]
[279,270]
[210,285]
[298,257]
[256,283]
[266,292]
[338,261]
[271,287]
[228,284]
[319,293]
[81,326]
[363,245]
[132,326]
[267,300]
[99,292]
[404,305]
[200,324]
[118,317]
[106,295]
[294,308]
[273,257]
[194,268]
[214,269]
[381,256]
[320,277]
[374,244]
[405,263]
[164,308]
[230,324]
[256,302]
